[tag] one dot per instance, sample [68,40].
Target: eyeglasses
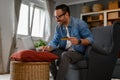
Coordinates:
[58,17]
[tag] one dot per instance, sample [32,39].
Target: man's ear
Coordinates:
[66,14]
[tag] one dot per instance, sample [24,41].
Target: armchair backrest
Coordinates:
[116,37]
[107,38]
[102,37]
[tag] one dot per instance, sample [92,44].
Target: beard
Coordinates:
[60,22]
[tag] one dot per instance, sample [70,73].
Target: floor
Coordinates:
[7,77]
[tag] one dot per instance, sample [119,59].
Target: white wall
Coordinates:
[6,24]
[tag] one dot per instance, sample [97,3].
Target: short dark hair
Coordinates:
[64,8]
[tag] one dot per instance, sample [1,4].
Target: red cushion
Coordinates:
[33,56]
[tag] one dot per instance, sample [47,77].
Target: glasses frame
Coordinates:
[58,17]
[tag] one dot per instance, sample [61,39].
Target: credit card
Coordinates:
[64,38]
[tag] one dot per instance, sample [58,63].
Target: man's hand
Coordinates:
[46,48]
[73,40]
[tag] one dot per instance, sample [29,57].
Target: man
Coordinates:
[70,39]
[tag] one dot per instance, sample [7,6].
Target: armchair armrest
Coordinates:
[99,50]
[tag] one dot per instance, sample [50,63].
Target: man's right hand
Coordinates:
[46,48]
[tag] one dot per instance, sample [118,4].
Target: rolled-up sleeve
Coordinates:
[85,31]
[55,41]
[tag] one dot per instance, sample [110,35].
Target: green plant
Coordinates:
[40,43]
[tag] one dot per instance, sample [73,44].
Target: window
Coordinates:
[38,23]
[31,21]
[23,20]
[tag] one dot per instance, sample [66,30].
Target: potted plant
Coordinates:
[40,43]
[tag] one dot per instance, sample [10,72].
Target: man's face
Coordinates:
[60,17]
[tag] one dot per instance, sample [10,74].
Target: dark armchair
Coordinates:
[101,56]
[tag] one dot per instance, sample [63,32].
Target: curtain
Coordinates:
[6,23]
[48,19]
[17,4]
[1,60]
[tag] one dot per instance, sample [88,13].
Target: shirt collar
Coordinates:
[70,24]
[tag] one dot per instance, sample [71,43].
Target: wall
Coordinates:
[76,9]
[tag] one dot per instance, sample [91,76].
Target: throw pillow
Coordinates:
[33,56]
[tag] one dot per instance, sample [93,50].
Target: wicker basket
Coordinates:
[113,4]
[85,9]
[97,7]
[29,70]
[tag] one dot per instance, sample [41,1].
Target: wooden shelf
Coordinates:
[114,19]
[104,20]
[95,21]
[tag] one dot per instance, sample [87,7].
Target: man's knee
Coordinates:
[65,53]
[66,56]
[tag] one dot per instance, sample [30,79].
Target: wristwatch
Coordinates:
[79,41]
